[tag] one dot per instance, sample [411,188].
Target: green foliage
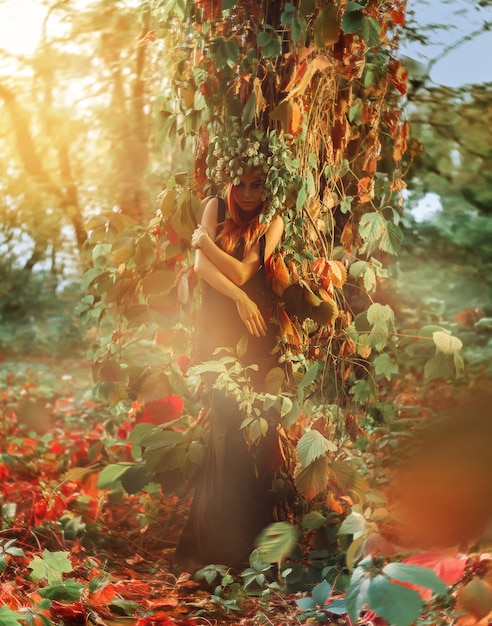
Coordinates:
[255,576]
[378,587]
[452,126]
[318,606]
[313,445]
[69,589]
[8,548]
[276,542]
[228,593]
[51,566]
[9,617]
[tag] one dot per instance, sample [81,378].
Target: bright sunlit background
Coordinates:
[21,23]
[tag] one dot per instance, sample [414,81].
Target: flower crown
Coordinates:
[231,154]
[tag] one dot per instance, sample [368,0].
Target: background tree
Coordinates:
[77,135]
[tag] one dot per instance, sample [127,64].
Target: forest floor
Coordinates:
[71,553]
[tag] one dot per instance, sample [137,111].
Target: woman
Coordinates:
[232,501]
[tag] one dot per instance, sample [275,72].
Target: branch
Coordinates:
[33,164]
[25,143]
[457,44]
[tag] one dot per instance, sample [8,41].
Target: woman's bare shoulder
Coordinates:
[276,227]
[208,208]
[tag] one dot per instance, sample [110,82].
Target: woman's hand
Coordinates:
[251,316]
[197,238]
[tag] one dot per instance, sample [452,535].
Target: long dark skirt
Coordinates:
[232,501]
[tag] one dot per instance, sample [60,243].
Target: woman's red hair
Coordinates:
[241,226]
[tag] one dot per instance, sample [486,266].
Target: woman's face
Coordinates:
[247,194]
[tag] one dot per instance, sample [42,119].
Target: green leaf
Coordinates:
[301,196]
[313,520]
[421,576]
[362,269]
[358,269]
[228,4]
[110,476]
[127,606]
[307,7]
[89,277]
[322,592]
[380,313]
[440,366]
[270,43]
[68,590]
[225,53]
[354,524]
[352,21]
[326,26]
[313,445]
[446,343]
[10,618]
[356,594]
[276,541]
[338,607]
[274,380]
[396,604]
[391,239]
[8,510]
[159,282]
[362,392]
[459,364]
[371,227]
[15,551]
[355,112]
[429,329]
[135,479]
[263,38]
[98,582]
[353,6]
[312,480]
[369,280]
[161,439]
[384,366]
[298,28]
[287,16]
[50,566]
[287,406]
[249,110]
[309,377]
[306,604]
[370,29]
[242,346]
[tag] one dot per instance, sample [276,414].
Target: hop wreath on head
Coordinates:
[233,153]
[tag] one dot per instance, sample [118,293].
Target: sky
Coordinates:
[446,23]
[21,20]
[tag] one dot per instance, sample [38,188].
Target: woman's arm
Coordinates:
[247,309]
[238,271]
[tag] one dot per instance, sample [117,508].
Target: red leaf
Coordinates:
[445,563]
[132,589]
[161,411]
[170,601]
[73,613]
[278,274]
[289,331]
[158,619]
[365,189]
[103,596]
